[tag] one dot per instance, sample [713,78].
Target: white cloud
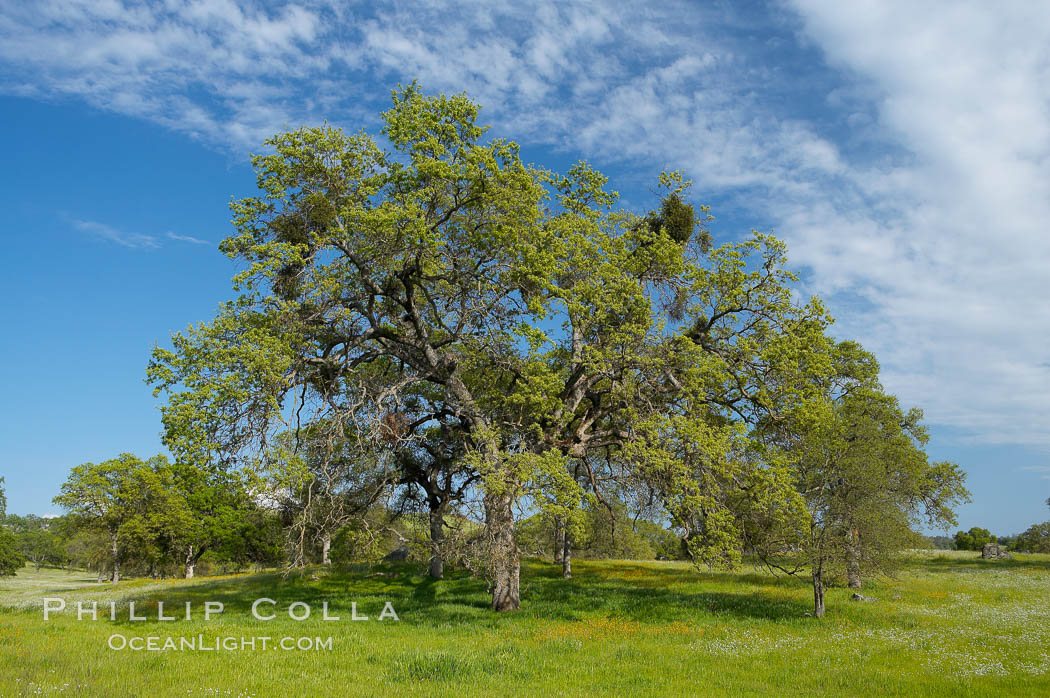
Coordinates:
[186,238]
[192,66]
[959,283]
[902,148]
[111,234]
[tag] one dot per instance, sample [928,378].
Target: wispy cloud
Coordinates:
[902,148]
[185,238]
[946,244]
[1044,469]
[111,234]
[214,70]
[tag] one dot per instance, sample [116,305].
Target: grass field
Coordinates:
[960,627]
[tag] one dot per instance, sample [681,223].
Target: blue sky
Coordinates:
[902,149]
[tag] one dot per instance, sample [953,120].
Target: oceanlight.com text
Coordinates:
[200,643]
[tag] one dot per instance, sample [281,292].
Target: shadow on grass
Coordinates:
[638,592]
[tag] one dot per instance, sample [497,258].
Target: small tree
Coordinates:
[974,539]
[86,546]
[1034,540]
[39,545]
[11,560]
[212,505]
[435,478]
[130,500]
[322,476]
[861,469]
[259,540]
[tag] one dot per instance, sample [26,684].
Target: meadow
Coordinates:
[949,624]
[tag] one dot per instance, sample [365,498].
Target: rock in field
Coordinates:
[994,551]
[861,597]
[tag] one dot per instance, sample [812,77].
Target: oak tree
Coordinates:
[554,331]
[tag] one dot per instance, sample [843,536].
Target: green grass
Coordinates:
[961,627]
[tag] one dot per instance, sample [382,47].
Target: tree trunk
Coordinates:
[191,563]
[101,573]
[566,556]
[326,546]
[559,541]
[437,537]
[853,560]
[818,591]
[503,552]
[116,559]
[853,574]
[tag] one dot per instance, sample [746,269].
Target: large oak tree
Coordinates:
[552,329]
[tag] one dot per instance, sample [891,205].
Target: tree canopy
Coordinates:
[440,288]
[974,539]
[860,468]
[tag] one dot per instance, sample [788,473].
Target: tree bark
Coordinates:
[191,563]
[566,556]
[116,558]
[437,537]
[504,557]
[853,560]
[101,572]
[503,552]
[559,541]
[818,591]
[326,546]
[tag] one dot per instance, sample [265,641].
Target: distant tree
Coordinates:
[1034,540]
[606,532]
[214,509]
[86,546]
[431,469]
[942,542]
[258,540]
[11,559]
[38,544]
[132,501]
[863,475]
[974,539]
[609,532]
[1008,542]
[64,528]
[322,477]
